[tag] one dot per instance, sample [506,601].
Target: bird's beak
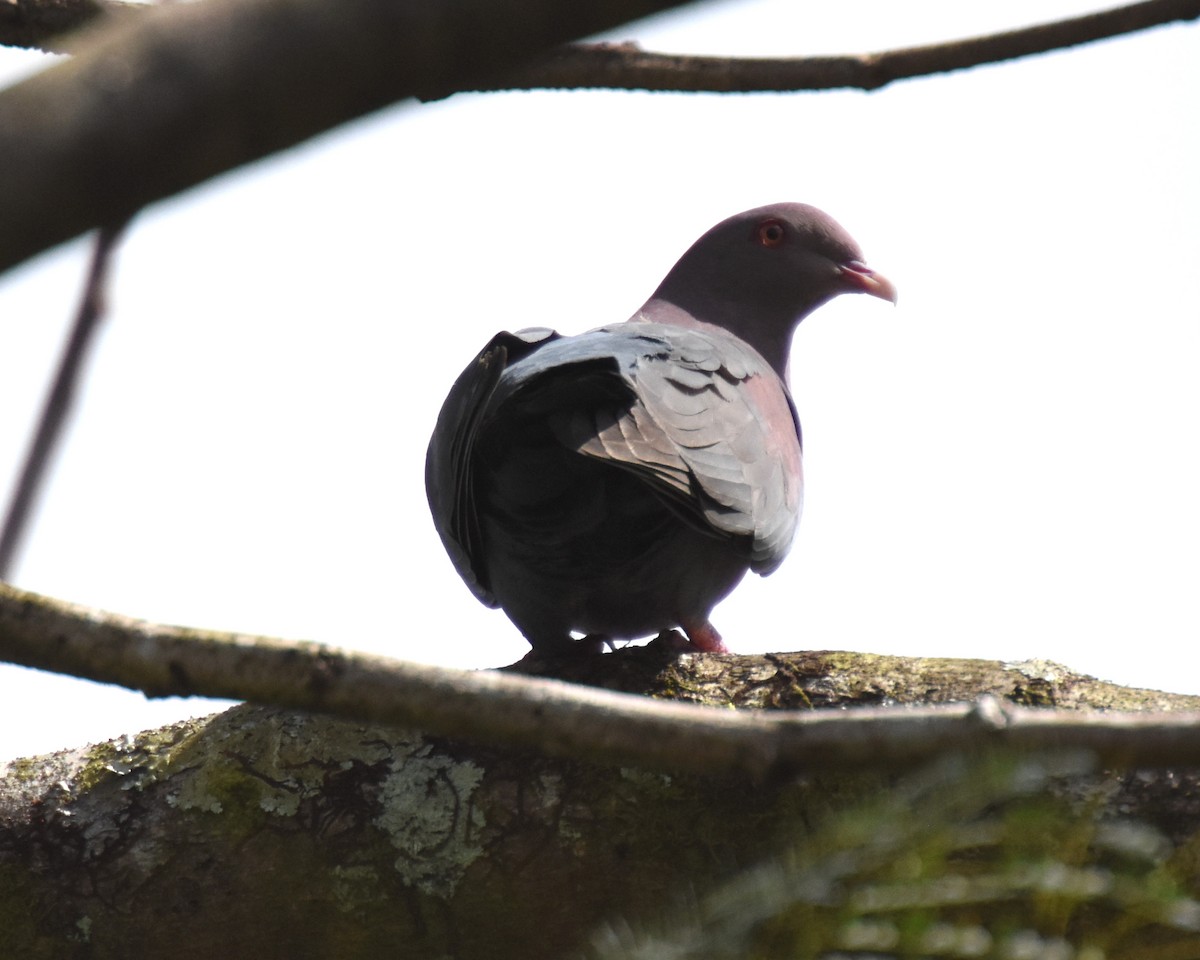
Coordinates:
[862,279]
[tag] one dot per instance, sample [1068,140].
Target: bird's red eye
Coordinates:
[770,233]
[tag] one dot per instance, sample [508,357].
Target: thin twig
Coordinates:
[625,67]
[58,401]
[556,718]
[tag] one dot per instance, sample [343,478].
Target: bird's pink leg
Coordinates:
[703,636]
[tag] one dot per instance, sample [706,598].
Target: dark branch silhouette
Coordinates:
[47,24]
[624,66]
[184,93]
[159,102]
[58,401]
[42,24]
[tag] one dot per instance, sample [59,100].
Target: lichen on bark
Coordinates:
[270,832]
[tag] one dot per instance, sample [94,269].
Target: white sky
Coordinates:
[1006,466]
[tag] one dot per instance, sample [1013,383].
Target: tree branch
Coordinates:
[38,23]
[186,92]
[163,101]
[556,718]
[624,66]
[45,24]
[58,402]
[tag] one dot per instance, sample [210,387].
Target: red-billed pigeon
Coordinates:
[621,482]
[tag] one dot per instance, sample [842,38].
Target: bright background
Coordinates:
[1006,466]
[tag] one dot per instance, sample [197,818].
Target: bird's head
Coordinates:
[759,273]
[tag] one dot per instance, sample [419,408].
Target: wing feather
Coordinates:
[707,421]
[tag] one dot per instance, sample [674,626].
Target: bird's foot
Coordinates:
[594,643]
[673,641]
[703,636]
[570,647]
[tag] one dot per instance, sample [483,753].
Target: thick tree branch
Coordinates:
[622,66]
[165,100]
[45,24]
[556,718]
[58,402]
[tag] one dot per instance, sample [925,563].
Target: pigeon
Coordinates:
[619,483]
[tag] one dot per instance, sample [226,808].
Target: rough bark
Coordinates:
[264,832]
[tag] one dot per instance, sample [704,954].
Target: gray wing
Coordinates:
[709,423]
[701,418]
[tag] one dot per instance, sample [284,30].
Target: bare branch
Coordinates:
[626,67]
[45,24]
[162,101]
[556,718]
[623,66]
[184,93]
[58,402]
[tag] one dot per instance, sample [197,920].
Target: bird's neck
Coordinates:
[770,335]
